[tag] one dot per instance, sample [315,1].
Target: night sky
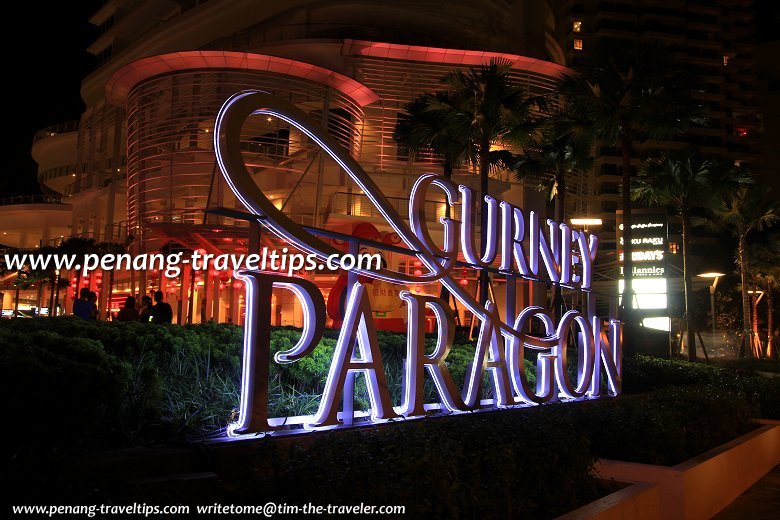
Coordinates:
[51,61]
[46,68]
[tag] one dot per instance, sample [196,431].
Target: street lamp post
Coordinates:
[715,277]
[584,223]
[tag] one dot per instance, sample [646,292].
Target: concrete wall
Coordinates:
[696,489]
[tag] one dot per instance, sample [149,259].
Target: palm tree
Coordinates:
[680,180]
[560,149]
[630,91]
[767,275]
[428,126]
[478,108]
[112,249]
[744,210]
[78,247]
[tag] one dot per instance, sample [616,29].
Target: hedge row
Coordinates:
[166,381]
[644,374]
[537,460]
[136,380]
[111,381]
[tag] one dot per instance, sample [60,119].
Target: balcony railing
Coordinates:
[359,205]
[31,199]
[62,128]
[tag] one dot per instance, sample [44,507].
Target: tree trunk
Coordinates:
[445,294]
[770,322]
[77,291]
[628,261]
[688,285]
[755,342]
[40,295]
[56,296]
[742,258]
[484,186]
[52,282]
[560,214]
[111,293]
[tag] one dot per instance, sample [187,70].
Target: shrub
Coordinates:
[52,383]
[664,427]
[642,374]
[436,467]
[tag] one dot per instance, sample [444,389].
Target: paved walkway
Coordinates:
[759,502]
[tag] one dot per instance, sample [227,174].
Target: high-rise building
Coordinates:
[715,39]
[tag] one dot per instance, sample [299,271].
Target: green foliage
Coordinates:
[438,468]
[178,380]
[667,426]
[107,382]
[184,381]
[643,374]
[132,380]
[750,365]
[54,382]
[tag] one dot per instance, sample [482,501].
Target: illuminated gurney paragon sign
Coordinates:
[554,253]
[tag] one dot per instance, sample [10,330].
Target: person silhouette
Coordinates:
[81,306]
[161,312]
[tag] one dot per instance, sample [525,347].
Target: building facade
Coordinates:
[138,168]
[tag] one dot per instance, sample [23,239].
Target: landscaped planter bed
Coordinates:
[141,385]
[696,489]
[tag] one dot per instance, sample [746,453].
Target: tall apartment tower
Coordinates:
[714,38]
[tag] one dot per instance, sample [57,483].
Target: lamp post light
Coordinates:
[715,277]
[584,222]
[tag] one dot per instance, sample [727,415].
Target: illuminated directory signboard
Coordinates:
[649,251]
[519,244]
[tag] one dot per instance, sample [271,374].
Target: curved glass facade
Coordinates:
[172,173]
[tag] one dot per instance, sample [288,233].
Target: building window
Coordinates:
[725,59]
[576,26]
[577,44]
[609,206]
[674,248]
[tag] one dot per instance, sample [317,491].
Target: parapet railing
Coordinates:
[31,199]
[61,128]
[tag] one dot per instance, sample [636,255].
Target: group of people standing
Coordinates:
[86,308]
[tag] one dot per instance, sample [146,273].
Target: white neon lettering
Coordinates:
[567,256]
